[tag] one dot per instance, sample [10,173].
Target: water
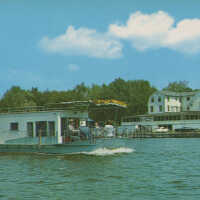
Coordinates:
[147,169]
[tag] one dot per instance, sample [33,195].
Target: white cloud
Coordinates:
[158,30]
[185,36]
[83,41]
[144,31]
[73,67]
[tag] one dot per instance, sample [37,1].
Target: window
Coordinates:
[159,99]
[151,108]
[41,128]
[14,126]
[168,107]
[188,98]
[168,98]
[152,100]
[160,109]
[176,109]
[51,128]
[188,108]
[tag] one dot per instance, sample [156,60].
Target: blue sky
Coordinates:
[56,45]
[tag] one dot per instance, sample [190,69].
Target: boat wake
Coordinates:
[106,151]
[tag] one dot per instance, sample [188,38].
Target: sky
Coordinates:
[58,44]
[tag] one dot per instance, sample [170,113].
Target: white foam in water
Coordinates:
[105,151]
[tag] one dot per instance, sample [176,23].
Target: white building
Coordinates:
[165,101]
[169,110]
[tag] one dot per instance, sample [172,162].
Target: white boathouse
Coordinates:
[26,125]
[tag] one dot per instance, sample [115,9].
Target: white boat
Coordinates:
[49,130]
[161,130]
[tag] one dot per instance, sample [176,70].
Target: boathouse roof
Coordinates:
[68,106]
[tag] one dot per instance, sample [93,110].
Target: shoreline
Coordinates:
[165,135]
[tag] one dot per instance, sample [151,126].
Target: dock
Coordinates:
[164,135]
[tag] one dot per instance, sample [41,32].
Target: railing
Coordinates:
[78,135]
[39,109]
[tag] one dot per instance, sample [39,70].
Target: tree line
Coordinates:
[135,93]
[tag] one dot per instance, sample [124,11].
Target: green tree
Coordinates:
[178,86]
[139,92]
[95,92]
[80,92]
[119,89]
[16,97]
[133,92]
[37,97]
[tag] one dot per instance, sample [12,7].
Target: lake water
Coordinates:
[147,169]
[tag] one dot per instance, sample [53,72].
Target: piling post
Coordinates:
[40,138]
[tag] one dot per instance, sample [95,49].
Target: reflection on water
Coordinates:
[144,169]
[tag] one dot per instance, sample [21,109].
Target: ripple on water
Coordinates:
[159,169]
[106,151]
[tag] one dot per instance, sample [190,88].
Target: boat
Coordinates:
[161,130]
[62,128]
[186,129]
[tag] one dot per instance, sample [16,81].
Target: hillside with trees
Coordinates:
[133,92]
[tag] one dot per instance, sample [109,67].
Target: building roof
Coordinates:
[176,94]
